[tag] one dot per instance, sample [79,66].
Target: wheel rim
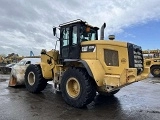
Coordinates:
[157,71]
[31,78]
[73,87]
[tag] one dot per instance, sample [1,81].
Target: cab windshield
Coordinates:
[88,33]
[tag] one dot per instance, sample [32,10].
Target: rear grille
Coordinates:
[111,57]
[135,57]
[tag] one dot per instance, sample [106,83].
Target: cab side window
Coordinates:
[65,36]
[74,35]
[28,62]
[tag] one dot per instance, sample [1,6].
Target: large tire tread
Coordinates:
[152,70]
[88,94]
[40,83]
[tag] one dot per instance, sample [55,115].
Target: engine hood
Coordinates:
[105,42]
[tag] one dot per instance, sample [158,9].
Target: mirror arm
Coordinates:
[55,34]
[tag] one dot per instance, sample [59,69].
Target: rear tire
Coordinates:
[34,80]
[77,87]
[155,71]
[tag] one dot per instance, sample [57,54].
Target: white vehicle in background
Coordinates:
[10,65]
[18,71]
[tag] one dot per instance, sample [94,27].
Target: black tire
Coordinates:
[108,94]
[154,69]
[86,89]
[34,80]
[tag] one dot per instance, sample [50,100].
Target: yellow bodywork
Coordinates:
[151,57]
[107,77]
[115,76]
[47,68]
[151,62]
[154,65]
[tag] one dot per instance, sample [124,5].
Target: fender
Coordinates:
[46,70]
[84,64]
[87,67]
[95,70]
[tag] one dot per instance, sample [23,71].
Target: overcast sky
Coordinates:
[26,25]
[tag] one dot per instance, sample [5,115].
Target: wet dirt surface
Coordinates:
[138,101]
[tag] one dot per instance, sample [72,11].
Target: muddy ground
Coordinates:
[138,101]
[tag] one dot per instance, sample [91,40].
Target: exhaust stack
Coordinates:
[102,31]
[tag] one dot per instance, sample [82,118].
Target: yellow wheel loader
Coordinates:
[85,65]
[152,60]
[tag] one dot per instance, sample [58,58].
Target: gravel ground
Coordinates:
[138,101]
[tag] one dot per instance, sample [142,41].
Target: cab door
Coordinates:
[74,51]
[64,43]
[70,46]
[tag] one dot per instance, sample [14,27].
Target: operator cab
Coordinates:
[71,35]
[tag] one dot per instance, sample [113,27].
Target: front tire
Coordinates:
[34,80]
[77,87]
[155,71]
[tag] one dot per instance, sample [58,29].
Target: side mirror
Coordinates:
[54,31]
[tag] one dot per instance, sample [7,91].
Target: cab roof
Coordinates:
[76,22]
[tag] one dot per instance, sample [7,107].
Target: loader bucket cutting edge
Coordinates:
[12,81]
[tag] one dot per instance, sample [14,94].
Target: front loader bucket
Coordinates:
[12,81]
